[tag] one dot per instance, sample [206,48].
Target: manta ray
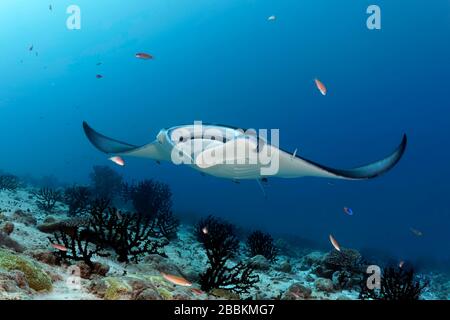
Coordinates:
[228,152]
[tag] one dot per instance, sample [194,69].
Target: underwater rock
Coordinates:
[37,279]
[324,284]
[297,291]
[155,262]
[97,269]
[224,294]
[7,227]
[259,262]
[50,219]
[285,267]
[346,279]
[26,218]
[147,294]
[45,256]
[6,241]
[311,259]
[111,288]
[65,226]
[13,281]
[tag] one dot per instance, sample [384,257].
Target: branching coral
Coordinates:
[9,182]
[221,244]
[105,182]
[47,198]
[260,243]
[78,199]
[149,197]
[128,234]
[396,284]
[344,260]
[167,224]
[78,243]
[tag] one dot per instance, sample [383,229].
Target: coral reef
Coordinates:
[37,279]
[396,284]
[105,182]
[78,199]
[47,198]
[221,244]
[9,182]
[167,224]
[260,243]
[130,235]
[149,197]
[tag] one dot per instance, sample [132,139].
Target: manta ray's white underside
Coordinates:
[226,152]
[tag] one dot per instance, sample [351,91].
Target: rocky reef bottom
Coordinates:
[29,268]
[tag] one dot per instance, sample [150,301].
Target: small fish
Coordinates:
[197,291]
[99,76]
[335,243]
[144,56]
[50,7]
[176,280]
[99,64]
[117,160]
[205,230]
[321,87]
[271,18]
[31,48]
[59,247]
[348,211]
[400,265]
[416,232]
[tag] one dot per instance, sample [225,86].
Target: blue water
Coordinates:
[223,62]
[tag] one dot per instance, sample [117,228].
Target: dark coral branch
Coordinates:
[167,224]
[149,197]
[47,198]
[78,199]
[260,243]
[221,244]
[9,182]
[396,284]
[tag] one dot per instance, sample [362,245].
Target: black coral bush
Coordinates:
[221,244]
[78,198]
[260,243]
[396,284]
[9,182]
[149,197]
[46,198]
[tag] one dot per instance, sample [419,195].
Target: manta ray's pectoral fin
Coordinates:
[301,167]
[108,145]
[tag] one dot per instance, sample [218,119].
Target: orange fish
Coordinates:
[117,160]
[144,56]
[321,87]
[335,243]
[59,247]
[197,291]
[176,280]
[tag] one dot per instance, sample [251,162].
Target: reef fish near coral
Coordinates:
[176,280]
[335,243]
[210,149]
